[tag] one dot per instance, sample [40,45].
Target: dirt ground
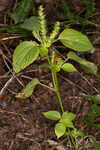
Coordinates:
[22,124]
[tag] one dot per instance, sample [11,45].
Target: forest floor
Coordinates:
[22,124]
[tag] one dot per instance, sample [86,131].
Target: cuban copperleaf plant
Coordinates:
[28,51]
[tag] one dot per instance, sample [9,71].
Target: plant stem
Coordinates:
[55,82]
[72,139]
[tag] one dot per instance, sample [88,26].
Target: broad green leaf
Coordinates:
[75,40]
[22,11]
[68,67]
[29,89]
[52,115]
[67,118]
[94,98]
[31,24]
[24,54]
[67,123]
[60,130]
[95,143]
[68,115]
[77,133]
[84,64]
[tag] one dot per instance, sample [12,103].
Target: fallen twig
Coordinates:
[6,85]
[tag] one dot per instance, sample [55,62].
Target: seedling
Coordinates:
[64,123]
[28,51]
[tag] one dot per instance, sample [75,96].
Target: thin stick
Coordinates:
[6,85]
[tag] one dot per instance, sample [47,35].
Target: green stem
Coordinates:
[72,139]
[55,82]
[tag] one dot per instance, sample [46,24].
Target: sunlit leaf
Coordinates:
[60,130]
[75,40]
[52,115]
[68,67]
[24,54]
[69,115]
[29,89]
[67,118]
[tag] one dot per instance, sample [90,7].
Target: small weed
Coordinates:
[28,51]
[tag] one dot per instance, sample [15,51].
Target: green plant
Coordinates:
[23,22]
[28,51]
[90,7]
[72,18]
[95,143]
[95,110]
[64,123]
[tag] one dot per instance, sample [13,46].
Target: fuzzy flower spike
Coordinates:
[43,24]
